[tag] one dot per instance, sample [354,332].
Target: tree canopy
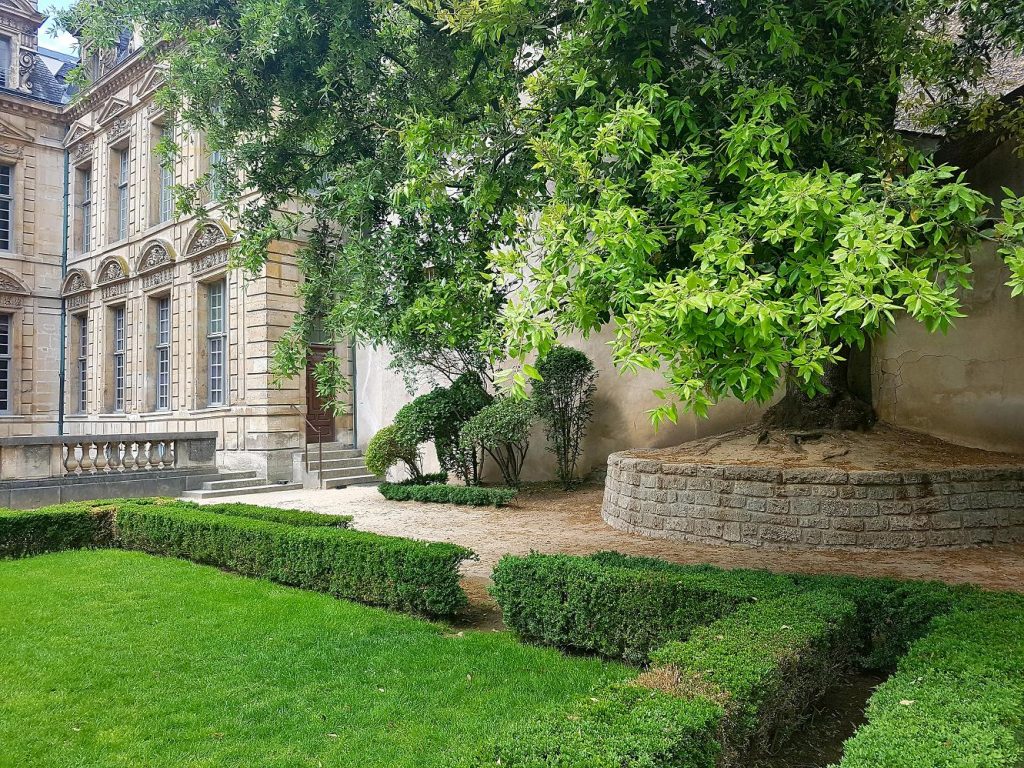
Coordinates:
[726,183]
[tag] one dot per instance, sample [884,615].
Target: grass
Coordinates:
[112,658]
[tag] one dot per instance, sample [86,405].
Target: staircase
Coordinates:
[232,484]
[342,466]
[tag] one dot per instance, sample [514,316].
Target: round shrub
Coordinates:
[438,416]
[388,447]
[564,399]
[502,429]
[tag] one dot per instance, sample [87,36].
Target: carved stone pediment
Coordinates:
[76,281]
[206,237]
[112,270]
[155,254]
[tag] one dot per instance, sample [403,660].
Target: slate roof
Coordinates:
[47,86]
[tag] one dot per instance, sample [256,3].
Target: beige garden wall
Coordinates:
[620,411]
[966,386]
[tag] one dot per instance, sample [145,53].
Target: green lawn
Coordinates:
[112,658]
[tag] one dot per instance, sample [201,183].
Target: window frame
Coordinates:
[162,377]
[85,205]
[7,207]
[119,372]
[6,363]
[123,197]
[5,68]
[216,344]
[82,363]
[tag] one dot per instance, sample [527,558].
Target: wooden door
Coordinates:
[320,422]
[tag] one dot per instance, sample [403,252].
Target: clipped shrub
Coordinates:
[272,514]
[52,529]
[582,604]
[564,399]
[430,478]
[766,663]
[502,430]
[623,726]
[389,447]
[956,699]
[403,574]
[438,416]
[448,494]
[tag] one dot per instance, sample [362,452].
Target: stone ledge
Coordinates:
[815,508]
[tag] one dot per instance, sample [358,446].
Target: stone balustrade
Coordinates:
[96,456]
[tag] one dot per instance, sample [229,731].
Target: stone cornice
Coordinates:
[12,103]
[115,81]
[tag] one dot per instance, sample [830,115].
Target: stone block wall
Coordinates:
[814,508]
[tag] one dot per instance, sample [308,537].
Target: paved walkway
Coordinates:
[553,521]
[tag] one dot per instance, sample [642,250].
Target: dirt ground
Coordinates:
[884,447]
[550,520]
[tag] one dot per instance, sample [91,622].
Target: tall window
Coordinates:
[6,363]
[216,175]
[216,342]
[165,195]
[122,194]
[83,363]
[5,60]
[6,205]
[86,231]
[163,353]
[119,371]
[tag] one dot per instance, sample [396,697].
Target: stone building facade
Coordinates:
[161,333]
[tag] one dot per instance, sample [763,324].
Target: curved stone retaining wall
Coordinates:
[814,508]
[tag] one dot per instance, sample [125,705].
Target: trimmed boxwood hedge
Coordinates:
[956,699]
[767,663]
[585,604]
[448,494]
[51,529]
[403,574]
[624,726]
[293,547]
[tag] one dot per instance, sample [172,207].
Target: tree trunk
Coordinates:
[836,408]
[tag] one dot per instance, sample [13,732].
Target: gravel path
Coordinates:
[554,521]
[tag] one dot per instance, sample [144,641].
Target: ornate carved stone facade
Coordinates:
[129,259]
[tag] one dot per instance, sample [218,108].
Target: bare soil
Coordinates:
[880,448]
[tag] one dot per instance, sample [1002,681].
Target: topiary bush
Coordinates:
[272,514]
[389,447]
[448,494]
[438,416]
[564,399]
[502,430]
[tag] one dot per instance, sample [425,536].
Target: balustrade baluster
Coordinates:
[101,455]
[129,455]
[168,454]
[71,460]
[154,454]
[86,460]
[115,456]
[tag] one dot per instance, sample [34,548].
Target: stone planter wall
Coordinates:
[814,508]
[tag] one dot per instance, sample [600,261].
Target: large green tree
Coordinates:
[723,182]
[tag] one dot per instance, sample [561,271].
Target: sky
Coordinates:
[63,42]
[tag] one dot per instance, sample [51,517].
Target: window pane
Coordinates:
[119,372]
[6,206]
[83,363]
[5,363]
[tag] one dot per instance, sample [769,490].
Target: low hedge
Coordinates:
[271,514]
[51,529]
[379,570]
[766,663]
[584,604]
[956,699]
[624,726]
[448,494]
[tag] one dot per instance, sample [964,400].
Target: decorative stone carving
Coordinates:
[11,150]
[209,261]
[75,283]
[111,272]
[11,301]
[153,279]
[26,60]
[118,129]
[208,236]
[9,284]
[153,257]
[83,149]
[115,290]
[79,300]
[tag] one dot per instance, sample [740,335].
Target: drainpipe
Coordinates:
[352,379]
[62,375]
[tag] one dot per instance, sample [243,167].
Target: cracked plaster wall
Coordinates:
[966,386]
